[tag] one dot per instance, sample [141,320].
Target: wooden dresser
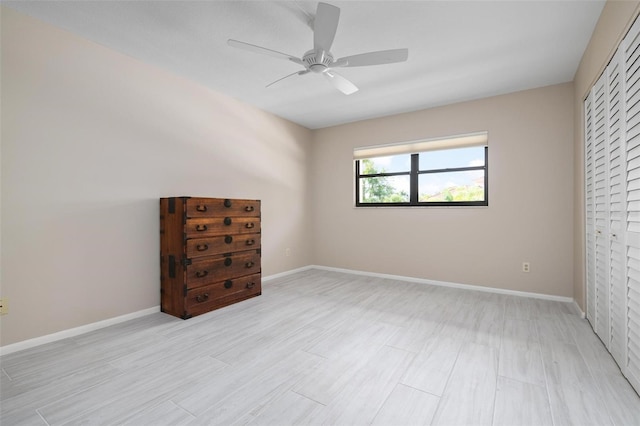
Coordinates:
[209,253]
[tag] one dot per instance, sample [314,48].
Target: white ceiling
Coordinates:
[458,50]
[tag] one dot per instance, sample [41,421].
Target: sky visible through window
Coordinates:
[432,184]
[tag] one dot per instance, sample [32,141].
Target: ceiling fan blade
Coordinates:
[373,58]
[340,83]
[303,72]
[325,26]
[263,50]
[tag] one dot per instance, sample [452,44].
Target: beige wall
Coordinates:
[530,213]
[90,140]
[614,22]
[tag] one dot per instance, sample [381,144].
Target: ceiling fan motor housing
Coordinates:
[317,60]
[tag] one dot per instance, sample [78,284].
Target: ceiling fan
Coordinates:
[319,60]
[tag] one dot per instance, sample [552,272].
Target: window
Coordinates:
[440,172]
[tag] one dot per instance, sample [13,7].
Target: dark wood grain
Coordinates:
[210,253]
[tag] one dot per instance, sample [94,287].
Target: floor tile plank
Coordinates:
[289,409]
[165,413]
[407,406]
[522,404]
[573,392]
[363,396]
[470,393]
[327,347]
[431,368]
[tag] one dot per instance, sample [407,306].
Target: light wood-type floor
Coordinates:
[323,347]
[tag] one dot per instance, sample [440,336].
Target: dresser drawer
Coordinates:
[198,247]
[207,270]
[203,299]
[207,207]
[207,227]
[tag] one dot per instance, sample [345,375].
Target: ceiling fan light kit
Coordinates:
[319,60]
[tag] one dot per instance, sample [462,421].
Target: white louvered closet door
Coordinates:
[631,48]
[612,197]
[601,208]
[616,156]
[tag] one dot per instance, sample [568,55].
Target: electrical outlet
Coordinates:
[4,307]
[526,267]
[287,252]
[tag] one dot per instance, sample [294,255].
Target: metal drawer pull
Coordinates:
[202,247]
[251,242]
[201,208]
[228,261]
[201,228]
[228,284]
[228,239]
[202,274]
[250,225]
[249,264]
[227,203]
[249,209]
[251,285]
[227,221]
[202,298]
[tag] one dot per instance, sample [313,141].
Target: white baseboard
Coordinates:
[64,334]
[26,344]
[285,273]
[453,285]
[578,311]
[72,332]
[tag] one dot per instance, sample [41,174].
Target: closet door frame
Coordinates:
[590,232]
